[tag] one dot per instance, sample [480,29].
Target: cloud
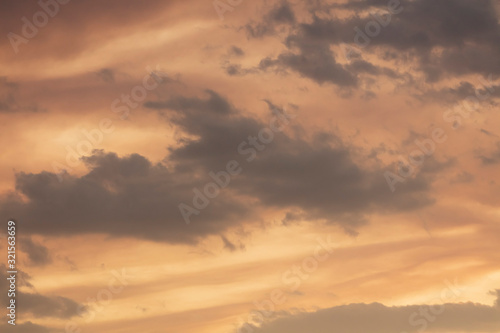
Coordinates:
[126,196]
[378,318]
[40,306]
[82,23]
[236,51]
[319,177]
[436,38]
[317,62]
[238,70]
[44,306]
[323,178]
[38,255]
[280,14]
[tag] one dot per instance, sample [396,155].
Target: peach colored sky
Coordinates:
[311,219]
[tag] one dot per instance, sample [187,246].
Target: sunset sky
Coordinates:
[237,166]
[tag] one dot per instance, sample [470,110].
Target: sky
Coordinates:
[236,166]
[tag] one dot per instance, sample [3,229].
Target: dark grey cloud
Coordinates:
[126,196]
[323,178]
[362,66]
[293,217]
[281,14]
[317,62]
[41,306]
[319,177]
[378,318]
[38,305]
[38,255]
[236,51]
[238,70]
[438,38]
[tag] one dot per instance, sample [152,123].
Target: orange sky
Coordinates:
[312,221]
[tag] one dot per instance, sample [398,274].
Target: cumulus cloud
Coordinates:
[436,38]
[126,196]
[322,177]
